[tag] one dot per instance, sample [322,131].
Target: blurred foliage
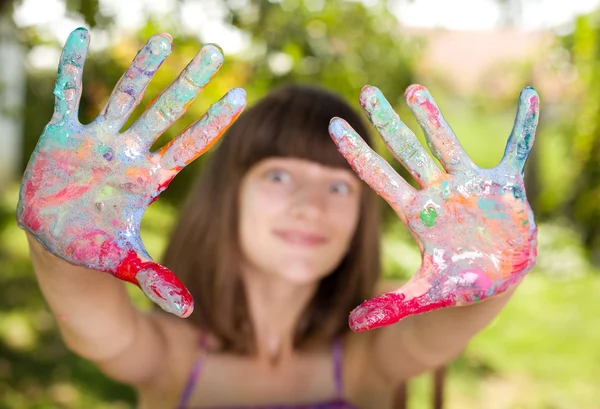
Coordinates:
[36,369]
[89,10]
[584,47]
[340,45]
[290,42]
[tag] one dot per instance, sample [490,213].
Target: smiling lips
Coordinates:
[300,238]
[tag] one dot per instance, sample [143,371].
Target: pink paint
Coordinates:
[534,105]
[389,308]
[70,192]
[433,113]
[481,282]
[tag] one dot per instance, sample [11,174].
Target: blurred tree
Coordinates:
[89,10]
[341,45]
[584,47]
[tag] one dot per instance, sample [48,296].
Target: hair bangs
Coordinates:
[293,124]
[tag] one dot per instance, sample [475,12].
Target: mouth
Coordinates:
[301,238]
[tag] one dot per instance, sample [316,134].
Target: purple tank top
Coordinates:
[337,403]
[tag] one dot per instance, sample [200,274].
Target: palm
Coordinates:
[92,172]
[86,187]
[474,226]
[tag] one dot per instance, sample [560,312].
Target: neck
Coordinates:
[275,307]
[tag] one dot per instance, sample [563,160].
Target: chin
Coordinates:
[302,274]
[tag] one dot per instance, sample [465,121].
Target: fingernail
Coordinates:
[165,294]
[160,44]
[377,312]
[336,128]
[410,92]
[237,97]
[369,97]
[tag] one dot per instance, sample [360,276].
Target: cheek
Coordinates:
[256,209]
[345,218]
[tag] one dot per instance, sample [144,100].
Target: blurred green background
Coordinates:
[542,351]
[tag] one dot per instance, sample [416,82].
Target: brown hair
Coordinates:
[204,250]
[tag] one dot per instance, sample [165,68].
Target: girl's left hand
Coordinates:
[474,226]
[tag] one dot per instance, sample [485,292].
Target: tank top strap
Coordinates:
[194,374]
[338,359]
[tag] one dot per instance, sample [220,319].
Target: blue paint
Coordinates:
[490,209]
[445,188]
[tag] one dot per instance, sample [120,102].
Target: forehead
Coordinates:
[304,165]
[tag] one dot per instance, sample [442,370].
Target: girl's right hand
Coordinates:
[86,187]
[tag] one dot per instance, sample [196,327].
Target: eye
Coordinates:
[278,176]
[340,188]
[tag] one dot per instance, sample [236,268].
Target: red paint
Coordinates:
[161,188]
[389,308]
[30,216]
[131,264]
[129,267]
[433,113]
[94,248]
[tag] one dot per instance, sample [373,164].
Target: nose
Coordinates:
[309,202]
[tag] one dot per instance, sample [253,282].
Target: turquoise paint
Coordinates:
[490,209]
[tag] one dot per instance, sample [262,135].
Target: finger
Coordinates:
[390,308]
[199,137]
[174,100]
[164,288]
[426,291]
[67,89]
[522,136]
[129,90]
[440,137]
[158,283]
[371,167]
[398,137]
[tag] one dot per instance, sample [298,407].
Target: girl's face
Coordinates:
[297,218]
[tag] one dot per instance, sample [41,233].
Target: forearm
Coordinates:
[93,310]
[438,336]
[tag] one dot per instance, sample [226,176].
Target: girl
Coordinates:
[277,242]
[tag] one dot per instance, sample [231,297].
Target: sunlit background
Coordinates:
[542,352]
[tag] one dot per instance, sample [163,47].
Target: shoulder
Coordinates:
[363,383]
[181,340]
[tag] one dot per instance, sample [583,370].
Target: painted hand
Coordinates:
[474,226]
[86,187]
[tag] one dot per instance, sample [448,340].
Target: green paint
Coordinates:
[105,192]
[428,215]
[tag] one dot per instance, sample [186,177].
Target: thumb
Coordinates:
[386,309]
[426,291]
[159,284]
